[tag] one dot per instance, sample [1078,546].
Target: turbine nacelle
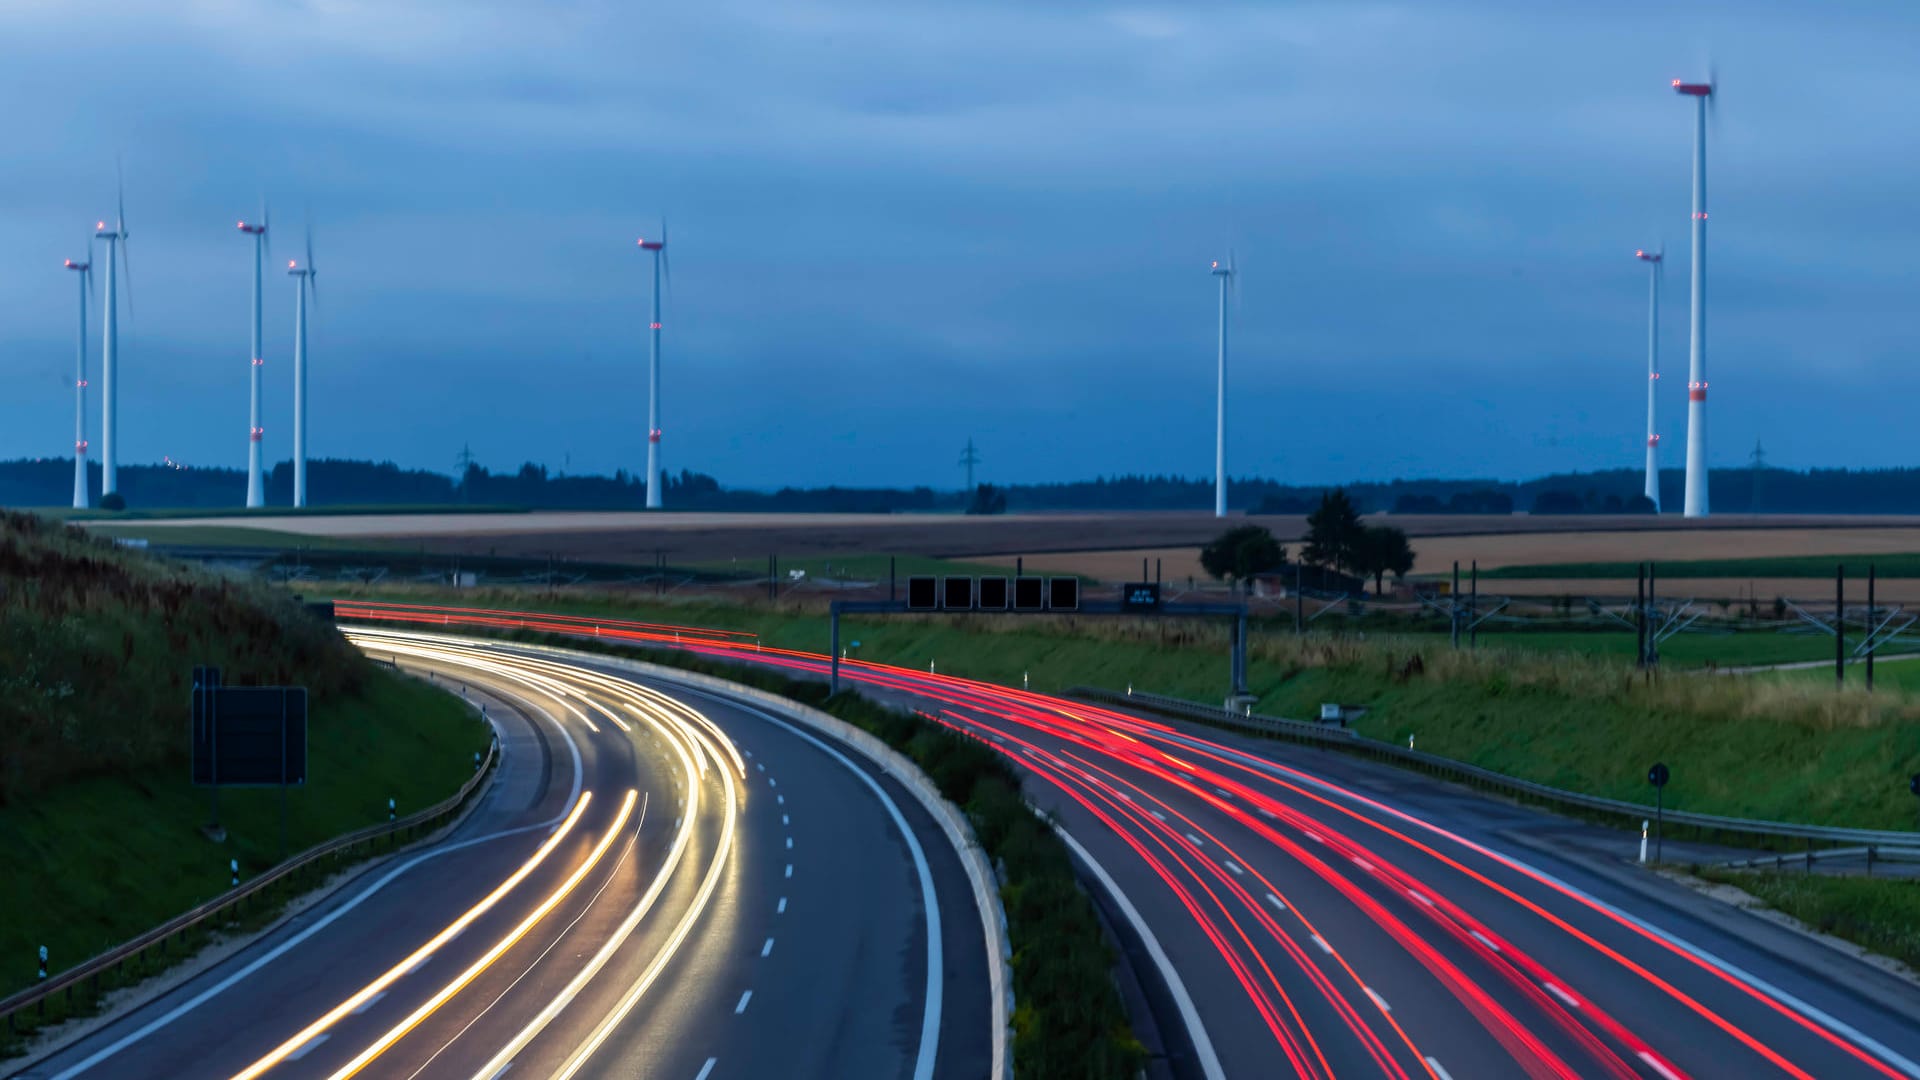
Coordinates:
[1649,256]
[82,267]
[653,245]
[252,230]
[1704,89]
[100,230]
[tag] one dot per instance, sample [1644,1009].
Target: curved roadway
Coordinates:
[660,882]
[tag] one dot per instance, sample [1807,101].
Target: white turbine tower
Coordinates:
[660,270]
[85,269]
[256,488]
[116,239]
[304,282]
[1696,499]
[1655,260]
[1226,275]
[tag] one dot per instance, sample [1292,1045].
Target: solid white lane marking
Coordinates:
[1322,942]
[1276,902]
[1235,867]
[767,948]
[782,909]
[1423,899]
[1378,1000]
[1183,1001]
[1484,940]
[1654,1064]
[307,1047]
[1565,998]
[707,1069]
[742,1007]
[368,1004]
[1439,1070]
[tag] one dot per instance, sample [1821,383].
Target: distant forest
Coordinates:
[330,482]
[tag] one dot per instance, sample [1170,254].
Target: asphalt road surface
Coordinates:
[660,883]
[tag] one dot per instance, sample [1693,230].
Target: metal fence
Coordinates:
[1777,833]
[85,978]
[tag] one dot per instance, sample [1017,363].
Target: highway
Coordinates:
[659,883]
[1317,916]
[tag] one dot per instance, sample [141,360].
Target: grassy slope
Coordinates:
[1882,914]
[1762,748]
[96,644]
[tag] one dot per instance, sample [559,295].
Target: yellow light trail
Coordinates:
[277,1054]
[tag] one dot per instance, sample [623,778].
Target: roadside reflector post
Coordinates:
[1025,684]
[43,961]
[390,809]
[1644,824]
[233,869]
[476,761]
[1409,740]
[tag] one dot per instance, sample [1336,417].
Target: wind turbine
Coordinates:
[116,239]
[1226,275]
[1696,498]
[660,270]
[256,492]
[304,282]
[1655,261]
[85,269]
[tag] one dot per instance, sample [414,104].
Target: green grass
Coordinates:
[1772,566]
[65,513]
[1774,748]
[860,567]
[100,860]
[1683,651]
[1881,914]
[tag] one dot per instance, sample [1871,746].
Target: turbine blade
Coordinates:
[126,272]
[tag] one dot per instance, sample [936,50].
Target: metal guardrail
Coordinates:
[1872,853]
[1487,778]
[36,996]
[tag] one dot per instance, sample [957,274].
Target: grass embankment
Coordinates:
[242,537]
[1788,749]
[1068,1020]
[97,813]
[1881,914]
[1764,566]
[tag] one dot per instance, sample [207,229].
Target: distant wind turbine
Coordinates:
[1655,261]
[116,239]
[1226,275]
[85,269]
[304,282]
[661,269]
[256,488]
[1696,496]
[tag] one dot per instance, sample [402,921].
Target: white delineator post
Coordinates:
[1225,274]
[1653,259]
[657,247]
[1696,497]
[256,487]
[80,499]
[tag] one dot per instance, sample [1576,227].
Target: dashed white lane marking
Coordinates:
[1276,902]
[760,765]
[1235,867]
[771,782]
[307,1047]
[1224,792]
[1654,1064]
[767,948]
[1363,864]
[781,799]
[789,869]
[1378,1000]
[1314,836]
[369,1003]
[1160,815]
[1194,840]
[1423,899]
[707,1069]
[789,843]
[1484,940]
[1565,998]
[501,1071]
[1322,942]
[1439,1070]
[418,964]
[782,908]
[784,820]
[1266,813]
[746,751]
[1125,796]
[998,739]
[742,1007]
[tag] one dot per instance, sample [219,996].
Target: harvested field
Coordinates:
[1813,592]
[1111,544]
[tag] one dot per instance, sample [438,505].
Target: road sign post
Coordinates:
[1658,777]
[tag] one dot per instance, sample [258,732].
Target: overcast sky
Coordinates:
[896,226]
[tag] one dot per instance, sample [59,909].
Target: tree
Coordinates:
[988,499]
[1241,552]
[1384,550]
[1557,502]
[1333,533]
[114,501]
